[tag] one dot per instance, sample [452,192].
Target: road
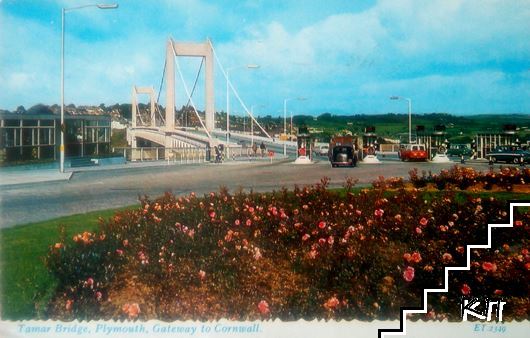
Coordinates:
[103,189]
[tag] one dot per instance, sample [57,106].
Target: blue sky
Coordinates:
[346,57]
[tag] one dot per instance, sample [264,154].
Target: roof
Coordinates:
[15,116]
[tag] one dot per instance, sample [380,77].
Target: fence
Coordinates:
[182,155]
[188,155]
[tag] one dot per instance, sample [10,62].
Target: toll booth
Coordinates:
[304,143]
[434,140]
[485,142]
[369,141]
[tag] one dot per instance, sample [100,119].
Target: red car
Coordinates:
[413,152]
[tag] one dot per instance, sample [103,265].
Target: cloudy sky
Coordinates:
[345,57]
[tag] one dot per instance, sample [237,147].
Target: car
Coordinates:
[322,150]
[342,151]
[417,152]
[459,150]
[343,156]
[509,154]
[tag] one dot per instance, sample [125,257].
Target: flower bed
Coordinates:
[468,178]
[307,253]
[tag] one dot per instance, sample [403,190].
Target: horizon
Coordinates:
[458,57]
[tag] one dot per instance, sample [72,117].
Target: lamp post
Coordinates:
[63,127]
[410,113]
[285,119]
[249,66]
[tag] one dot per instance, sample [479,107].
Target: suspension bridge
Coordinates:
[161,129]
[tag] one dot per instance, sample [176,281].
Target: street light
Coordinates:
[410,113]
[249,66]
[285,119]
[63,12]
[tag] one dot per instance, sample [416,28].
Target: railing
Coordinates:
[190,154]
[182,155]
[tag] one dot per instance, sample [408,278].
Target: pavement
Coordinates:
[36,195]
[10,177]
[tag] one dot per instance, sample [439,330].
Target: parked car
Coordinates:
[322,150]
[409,152]
[509,154]
[459,150]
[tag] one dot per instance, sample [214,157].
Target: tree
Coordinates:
[40,109]
[20,110]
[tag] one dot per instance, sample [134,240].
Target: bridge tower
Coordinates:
[175,49]
[134,107]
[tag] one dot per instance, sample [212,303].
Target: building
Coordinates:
[26,137]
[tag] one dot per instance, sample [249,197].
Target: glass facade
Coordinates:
[26,137]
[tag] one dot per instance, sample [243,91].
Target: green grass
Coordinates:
[25,284]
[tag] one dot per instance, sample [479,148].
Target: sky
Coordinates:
[344,57]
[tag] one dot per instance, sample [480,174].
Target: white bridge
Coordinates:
[160,129]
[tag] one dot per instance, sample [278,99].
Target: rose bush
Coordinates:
[307,253]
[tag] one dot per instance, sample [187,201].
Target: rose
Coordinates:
[305,237]
[408,274]
[331,303]
[263,307]
[424,221]
[488,266]
[379,212]
[416,257]
[132,310]
[465,289]
[447,257]
[321,224]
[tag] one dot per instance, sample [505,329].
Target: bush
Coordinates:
[307,253]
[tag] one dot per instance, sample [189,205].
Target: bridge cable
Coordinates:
[235,91]
[159,92]
[188,92]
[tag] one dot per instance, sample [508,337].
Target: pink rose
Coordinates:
[408,274]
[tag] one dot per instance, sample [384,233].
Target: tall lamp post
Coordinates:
[249,66]
[63,127]
[410,113]
[285,119]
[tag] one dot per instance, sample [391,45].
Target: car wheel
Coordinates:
[515,160]
[494,159]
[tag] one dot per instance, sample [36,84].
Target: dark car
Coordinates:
[459,150]
[342,156]
[509,155]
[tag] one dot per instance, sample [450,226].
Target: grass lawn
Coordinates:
[25,284]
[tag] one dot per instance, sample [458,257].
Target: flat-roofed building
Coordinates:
[26,137]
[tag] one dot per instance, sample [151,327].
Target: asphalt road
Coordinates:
[103,189]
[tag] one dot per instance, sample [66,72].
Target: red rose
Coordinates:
[466,290]
[424,221]
[248,222]
[487,266]
[416,257]
[379,212]
[408,274]
[407,257]
[263,307]
[305,237]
